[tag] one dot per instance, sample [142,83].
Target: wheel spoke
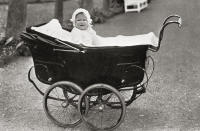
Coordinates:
[109,97]
[65,94]
[102,114]
[56,93]
[70,99]
[61,106]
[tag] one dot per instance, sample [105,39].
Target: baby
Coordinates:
[82,33]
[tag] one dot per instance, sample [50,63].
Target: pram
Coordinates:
[88,83]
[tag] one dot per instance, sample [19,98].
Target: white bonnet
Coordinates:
[85,12]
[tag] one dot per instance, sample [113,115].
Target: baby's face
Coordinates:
[81,22]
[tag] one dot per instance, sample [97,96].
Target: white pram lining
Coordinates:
[54,29]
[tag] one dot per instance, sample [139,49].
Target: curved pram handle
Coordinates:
[165,23]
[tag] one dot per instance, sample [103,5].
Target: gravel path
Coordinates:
[172,100]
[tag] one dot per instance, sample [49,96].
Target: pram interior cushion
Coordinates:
[55,30]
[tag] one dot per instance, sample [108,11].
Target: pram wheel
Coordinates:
[106,107]
[61,103]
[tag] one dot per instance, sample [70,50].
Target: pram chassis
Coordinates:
[84,95]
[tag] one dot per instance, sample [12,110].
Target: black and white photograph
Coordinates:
[99,65]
